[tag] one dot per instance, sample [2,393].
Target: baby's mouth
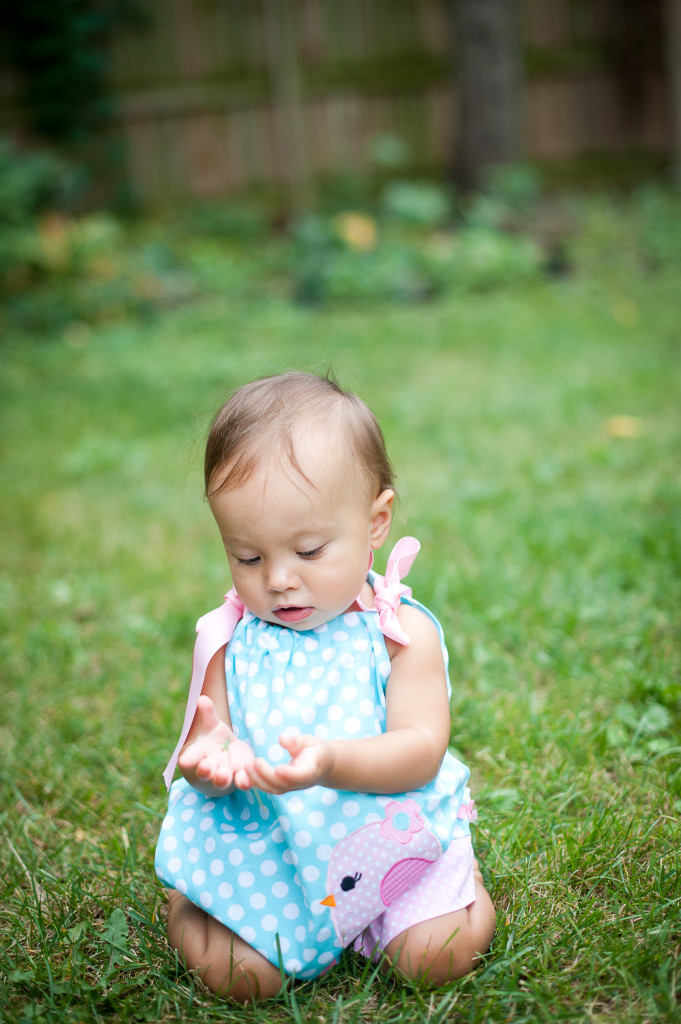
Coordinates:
[292,613]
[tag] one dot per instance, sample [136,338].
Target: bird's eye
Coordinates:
[350,881]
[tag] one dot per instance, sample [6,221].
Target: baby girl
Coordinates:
[319,807]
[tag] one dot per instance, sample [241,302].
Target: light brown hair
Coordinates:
[260,419]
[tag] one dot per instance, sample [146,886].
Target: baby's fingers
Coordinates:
[292,742]
[208,717]
[242,779]
[193,755]
[201,749]
[297,776]
[264,777]
[215,768]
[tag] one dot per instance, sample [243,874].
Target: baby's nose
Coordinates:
[281,576]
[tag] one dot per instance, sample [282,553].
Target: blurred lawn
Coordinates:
[535,435]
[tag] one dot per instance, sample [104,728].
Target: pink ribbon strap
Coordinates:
[389,589]
[214,630]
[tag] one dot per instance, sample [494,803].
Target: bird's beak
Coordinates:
[330,901]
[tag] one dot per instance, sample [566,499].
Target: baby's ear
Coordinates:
[381,517]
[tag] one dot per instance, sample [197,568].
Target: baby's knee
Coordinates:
[440,951]
[434,966]
[243,983]
[226,964]
[450,962]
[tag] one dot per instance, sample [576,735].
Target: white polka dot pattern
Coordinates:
[306,872]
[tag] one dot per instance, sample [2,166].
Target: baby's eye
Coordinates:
[248,561]
[315,553]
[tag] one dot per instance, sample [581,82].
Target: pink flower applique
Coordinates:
[402,820]
[468,811]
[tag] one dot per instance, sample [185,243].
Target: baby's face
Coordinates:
[299,551]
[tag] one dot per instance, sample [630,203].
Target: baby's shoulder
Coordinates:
[421,629]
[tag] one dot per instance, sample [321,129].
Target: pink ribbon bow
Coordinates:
[389,589]
[214,630]
[468,811]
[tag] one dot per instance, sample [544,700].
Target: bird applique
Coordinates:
[375,864]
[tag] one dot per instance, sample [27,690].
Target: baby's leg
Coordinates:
[444,948]
[227,964]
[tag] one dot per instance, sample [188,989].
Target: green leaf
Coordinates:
[115,936]
[18,976]
[76,933]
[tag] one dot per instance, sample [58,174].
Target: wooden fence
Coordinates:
[215,96]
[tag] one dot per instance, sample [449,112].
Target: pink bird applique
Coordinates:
[375,864]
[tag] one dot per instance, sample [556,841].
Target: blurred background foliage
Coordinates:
[401,240]
[58,47]
[75,250]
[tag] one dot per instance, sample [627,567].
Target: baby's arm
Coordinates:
[407,756]
[213,760]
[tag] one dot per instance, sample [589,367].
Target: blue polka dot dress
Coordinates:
[301,875]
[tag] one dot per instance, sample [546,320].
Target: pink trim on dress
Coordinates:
[214,629]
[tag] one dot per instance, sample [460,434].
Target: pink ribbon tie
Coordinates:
[389,589]
[214,630]
[467,811]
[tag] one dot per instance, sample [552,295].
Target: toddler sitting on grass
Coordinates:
[319,807]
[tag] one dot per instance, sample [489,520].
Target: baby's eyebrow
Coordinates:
[305,539]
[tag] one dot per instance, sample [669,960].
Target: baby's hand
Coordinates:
[311,760]
[216,756]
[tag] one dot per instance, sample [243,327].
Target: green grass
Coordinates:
[551,551]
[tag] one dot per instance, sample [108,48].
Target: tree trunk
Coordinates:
[673,37]
[287,102]
[488,79]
